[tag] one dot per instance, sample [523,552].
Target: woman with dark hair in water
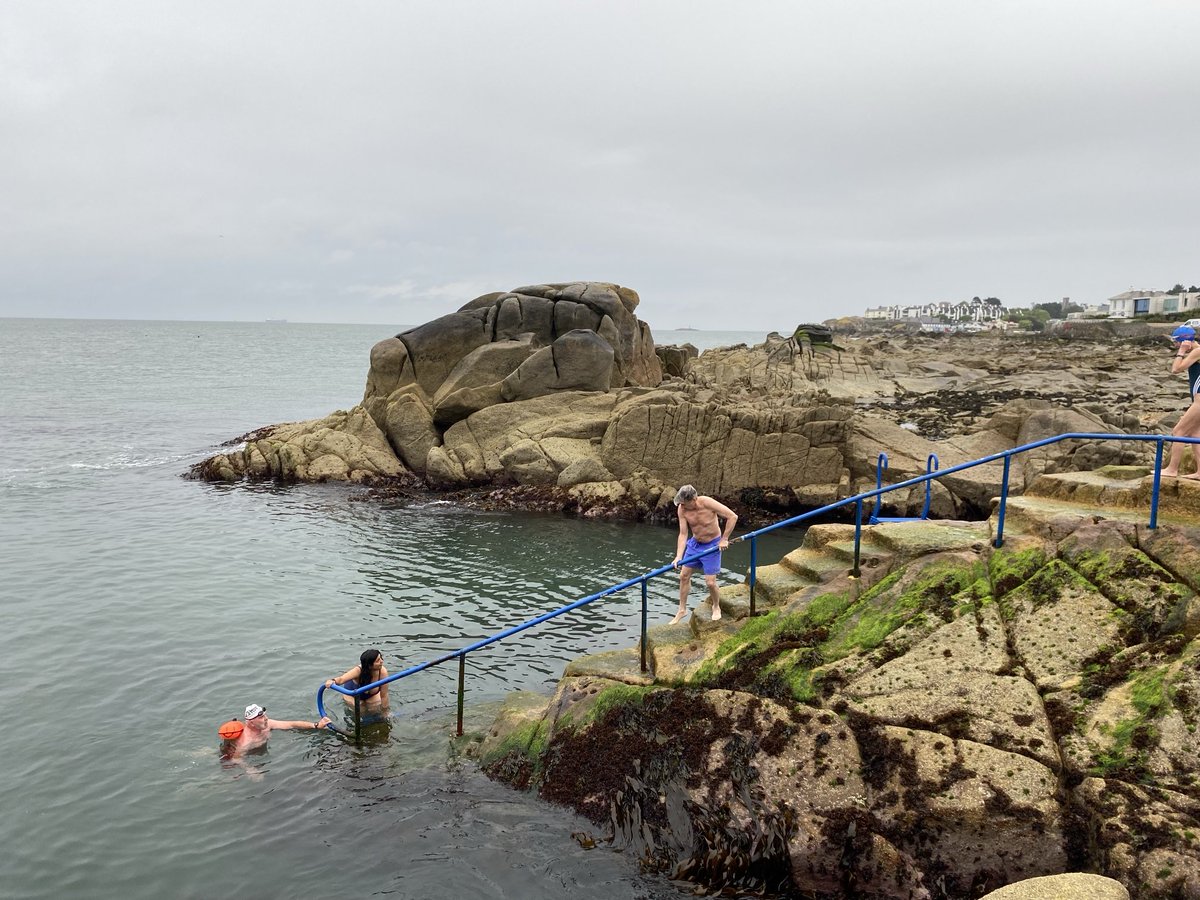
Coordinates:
[370,669]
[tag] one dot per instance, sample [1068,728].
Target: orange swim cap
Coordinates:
[231,730]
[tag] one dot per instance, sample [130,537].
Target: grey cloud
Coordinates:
[748,165]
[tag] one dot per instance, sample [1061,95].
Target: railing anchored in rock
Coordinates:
[857,501]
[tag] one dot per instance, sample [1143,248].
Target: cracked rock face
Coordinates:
[965,718]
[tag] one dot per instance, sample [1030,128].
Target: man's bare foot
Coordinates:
[716,613]
[1166,474]
[678,617]
[1194,476]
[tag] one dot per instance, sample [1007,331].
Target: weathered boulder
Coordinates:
[407,417]
[435,348]
[728,449]
[343,446]
[580,360]
[525,436]
[675,359]
[476,381]
[506,347]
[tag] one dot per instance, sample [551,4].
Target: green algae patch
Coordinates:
[1152,600]
[1045,586]
[608,699]
[974,598]
[1098,566]
[826,608]
[776,655]
[940,589]
[772,655]
[517,760]
[1010,569]
[1131,739]
[1151,695]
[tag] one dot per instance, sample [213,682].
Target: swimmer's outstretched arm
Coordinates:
[298,724]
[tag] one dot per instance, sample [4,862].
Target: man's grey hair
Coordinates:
[684,494]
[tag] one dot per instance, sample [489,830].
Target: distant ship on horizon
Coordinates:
[276,321]
[686,328]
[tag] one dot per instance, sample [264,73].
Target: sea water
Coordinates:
[141,609]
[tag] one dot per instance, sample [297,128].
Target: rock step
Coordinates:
[1041,517]
[616,665]
[870,552]
[775,583]
[812,564]
[1120,488]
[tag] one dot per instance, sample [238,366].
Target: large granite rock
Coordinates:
[503,348]
[960,719]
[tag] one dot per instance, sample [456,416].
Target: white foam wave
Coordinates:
[130,461]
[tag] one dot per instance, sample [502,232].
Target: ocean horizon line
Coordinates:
[284,321]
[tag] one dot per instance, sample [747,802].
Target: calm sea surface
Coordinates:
[141,609]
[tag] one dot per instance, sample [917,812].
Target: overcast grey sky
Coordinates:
[743,165]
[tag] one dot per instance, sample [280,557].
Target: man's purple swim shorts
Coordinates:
[711,564]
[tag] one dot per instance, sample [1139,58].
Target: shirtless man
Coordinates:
[238,738]
[700,515]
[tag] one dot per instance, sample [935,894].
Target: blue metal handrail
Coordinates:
[931,465]
[858,499]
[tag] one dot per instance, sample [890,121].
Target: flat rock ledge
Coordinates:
[957,721]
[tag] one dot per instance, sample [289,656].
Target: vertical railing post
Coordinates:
[1003,504]
[857,537]
[753,570]
[1158,452]
[357,718]
[645,612]
[880,467]
[462,680]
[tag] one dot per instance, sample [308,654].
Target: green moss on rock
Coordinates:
[518,759]
[1009,569]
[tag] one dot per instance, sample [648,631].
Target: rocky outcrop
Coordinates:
[343,446]
[558,390]
[956,719]
[516,345]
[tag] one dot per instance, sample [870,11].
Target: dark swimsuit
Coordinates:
[1194,379]
[351,684]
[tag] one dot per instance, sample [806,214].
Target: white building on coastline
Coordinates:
[974,310]
[1128,304]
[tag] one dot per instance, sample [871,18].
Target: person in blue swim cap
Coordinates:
[1186,359]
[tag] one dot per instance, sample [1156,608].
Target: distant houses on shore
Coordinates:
[976,314]
[1128,304]
[973,310]
[967,315]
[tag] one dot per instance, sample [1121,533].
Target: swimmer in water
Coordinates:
[370,669]
[238,738]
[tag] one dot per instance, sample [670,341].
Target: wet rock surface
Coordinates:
[961,719]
